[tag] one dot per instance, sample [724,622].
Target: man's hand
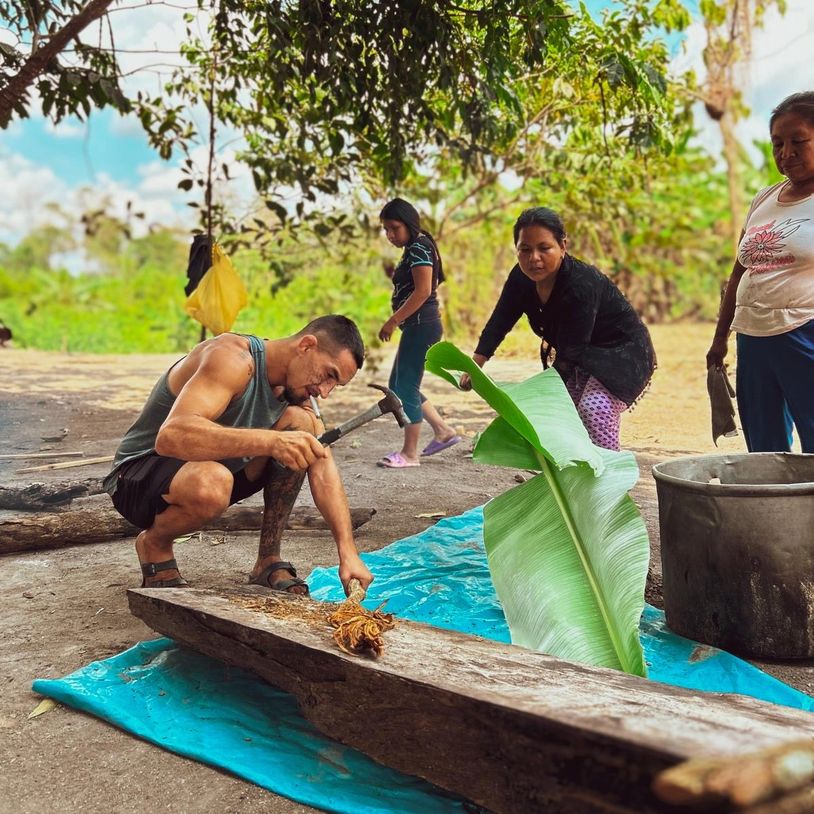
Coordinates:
[717,352]
[352,567]
[296,450]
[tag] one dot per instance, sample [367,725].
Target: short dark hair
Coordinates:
[540,216]
[800,103]
[340,332]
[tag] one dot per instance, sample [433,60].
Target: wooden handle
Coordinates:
[355,590]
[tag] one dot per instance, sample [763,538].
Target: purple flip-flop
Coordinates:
[439,446]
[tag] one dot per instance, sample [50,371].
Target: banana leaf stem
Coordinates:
[562,505]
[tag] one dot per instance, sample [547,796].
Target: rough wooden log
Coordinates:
[33,497]
[94,520]
[513,730]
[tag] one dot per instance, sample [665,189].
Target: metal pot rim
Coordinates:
[735,489]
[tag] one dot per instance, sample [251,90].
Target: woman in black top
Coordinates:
[601,348]
[415,311]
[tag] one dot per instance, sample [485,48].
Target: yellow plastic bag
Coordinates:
[220,295]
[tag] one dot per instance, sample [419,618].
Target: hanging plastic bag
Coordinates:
[220,295]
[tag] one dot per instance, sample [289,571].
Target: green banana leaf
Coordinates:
[557,434]
[568,550]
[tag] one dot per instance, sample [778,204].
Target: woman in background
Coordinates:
[602,349]
[769,300]
[416,312]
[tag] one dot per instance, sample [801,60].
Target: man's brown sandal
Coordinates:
[284,584]
[150,569]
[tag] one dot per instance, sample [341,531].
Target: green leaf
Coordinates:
[568,553]
[568,550]
[531,408]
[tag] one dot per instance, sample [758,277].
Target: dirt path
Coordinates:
[65,608]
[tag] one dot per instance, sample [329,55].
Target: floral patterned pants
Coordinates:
[600,411]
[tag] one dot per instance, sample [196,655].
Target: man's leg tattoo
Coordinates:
[279,495]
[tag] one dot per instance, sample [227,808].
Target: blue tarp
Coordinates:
[224,716]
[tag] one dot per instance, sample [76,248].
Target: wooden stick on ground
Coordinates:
[66,464]
[47,495]
[28,455]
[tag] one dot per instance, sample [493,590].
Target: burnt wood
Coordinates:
[33,497]
[94,520]
[513,730]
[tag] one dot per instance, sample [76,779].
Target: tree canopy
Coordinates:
[328,93]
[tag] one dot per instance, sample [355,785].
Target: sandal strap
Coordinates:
[284,584]
[176,582]
[279,566]
[150,569]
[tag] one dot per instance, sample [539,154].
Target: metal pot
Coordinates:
[737,551]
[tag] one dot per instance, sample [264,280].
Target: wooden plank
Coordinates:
[94,520]
[102,459]
[25,456]
[511,729]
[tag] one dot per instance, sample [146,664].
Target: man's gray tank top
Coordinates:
[256,408]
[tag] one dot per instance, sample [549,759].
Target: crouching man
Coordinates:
[230,418]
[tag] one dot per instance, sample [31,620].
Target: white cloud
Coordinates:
[148,41]
[66,129]
[35,196]
[27,189]
[125,126]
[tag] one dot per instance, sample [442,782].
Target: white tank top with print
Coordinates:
[776,293]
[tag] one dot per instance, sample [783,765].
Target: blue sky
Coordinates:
[78,151]
[78,163]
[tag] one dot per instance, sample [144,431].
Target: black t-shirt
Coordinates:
[419,252]
[587,321]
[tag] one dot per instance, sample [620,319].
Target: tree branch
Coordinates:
[15,90]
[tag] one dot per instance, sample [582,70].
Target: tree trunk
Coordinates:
[731,148]
[14,92]
[94,520]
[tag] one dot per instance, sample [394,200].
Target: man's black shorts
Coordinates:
[141,484]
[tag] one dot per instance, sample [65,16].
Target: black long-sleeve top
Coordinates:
[587,321]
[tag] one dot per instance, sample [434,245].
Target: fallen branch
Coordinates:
[25,456]
[94,520]
[102,459]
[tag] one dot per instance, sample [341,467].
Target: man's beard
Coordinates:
[292,398]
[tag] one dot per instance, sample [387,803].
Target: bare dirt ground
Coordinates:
[64,608]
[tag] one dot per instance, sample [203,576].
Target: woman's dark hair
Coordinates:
[400,210]
[540,216]
[800,103]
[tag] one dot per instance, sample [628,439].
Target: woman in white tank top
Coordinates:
[769,300]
